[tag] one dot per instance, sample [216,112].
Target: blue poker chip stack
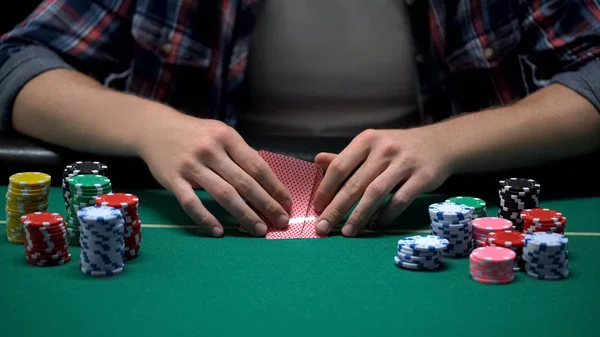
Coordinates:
[420,252]
[453,222]
[546,256]
[101,240]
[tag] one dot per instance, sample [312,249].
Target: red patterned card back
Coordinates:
[298,176]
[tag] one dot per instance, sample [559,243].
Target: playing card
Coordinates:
[309,231]
[298,176]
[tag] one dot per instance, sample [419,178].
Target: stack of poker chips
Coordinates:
[84,189]
[543,220]
[515,195]
[545,256]
[486,225]
[74,169]
[128,205]
[477,205]
[27,192]
[492,265]
[420,252]
[46,239]
[512,240]
[452,221]
[101,241]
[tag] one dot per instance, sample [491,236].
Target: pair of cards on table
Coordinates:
[301,178]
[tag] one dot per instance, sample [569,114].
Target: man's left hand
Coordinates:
[370,167]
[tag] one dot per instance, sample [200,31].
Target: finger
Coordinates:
[228,197]
[402,198]
[251,190]
[352,190]
[373,198]
[249,160]
[338,171]
[324,159]
[194,208]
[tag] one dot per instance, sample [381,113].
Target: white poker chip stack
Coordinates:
[452,221]
[101,240]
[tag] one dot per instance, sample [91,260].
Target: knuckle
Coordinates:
[271,207]
[223,133]
[353,186]
[248,218]
[376,190]
[367,134]
[187,163]
[224,192]
[388,148]
[400,200]
[188,202]
[243,184]
[334,213]
[204,149]
[337,166]
[256,168]
[359,217]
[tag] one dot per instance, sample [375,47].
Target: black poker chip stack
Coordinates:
[74,169]
[515,195]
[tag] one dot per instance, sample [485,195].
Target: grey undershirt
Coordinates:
[331,68]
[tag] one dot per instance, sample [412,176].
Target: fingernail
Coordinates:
[260,229]
[283,220]
[216,231]
[323,226]
[348,230]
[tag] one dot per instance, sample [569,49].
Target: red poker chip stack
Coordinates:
[45,239]
[543,220]
[512,240]
[492,265]
[128,205]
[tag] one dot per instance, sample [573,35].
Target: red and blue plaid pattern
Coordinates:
[191,55]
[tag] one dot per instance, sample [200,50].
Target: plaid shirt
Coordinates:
[192,55]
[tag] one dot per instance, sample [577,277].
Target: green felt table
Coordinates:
[187,284]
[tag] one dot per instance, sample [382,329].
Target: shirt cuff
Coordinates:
[585,81]
[19,69]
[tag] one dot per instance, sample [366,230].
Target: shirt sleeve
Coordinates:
[565,38]
[91,36]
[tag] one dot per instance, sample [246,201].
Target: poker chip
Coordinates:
[546,256]
[452,221]
[46,239]
[492,265]
[420,252]
[486,225]
[27,192]
[477,205]
[74,169]
[127,204]
[543,220]
[512,240]
[516,195]
[83,190]
[101,240]
[450,211]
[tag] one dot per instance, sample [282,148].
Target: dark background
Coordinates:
[561,179]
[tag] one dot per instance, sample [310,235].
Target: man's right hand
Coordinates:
[185,152]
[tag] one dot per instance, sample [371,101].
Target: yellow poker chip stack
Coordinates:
[27,193]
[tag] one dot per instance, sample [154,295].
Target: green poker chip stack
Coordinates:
[84,191]
[477,205]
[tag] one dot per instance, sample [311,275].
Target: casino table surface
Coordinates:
[186,284]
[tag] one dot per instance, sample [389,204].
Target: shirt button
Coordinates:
[419,58]
[488,53]
[166,48]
